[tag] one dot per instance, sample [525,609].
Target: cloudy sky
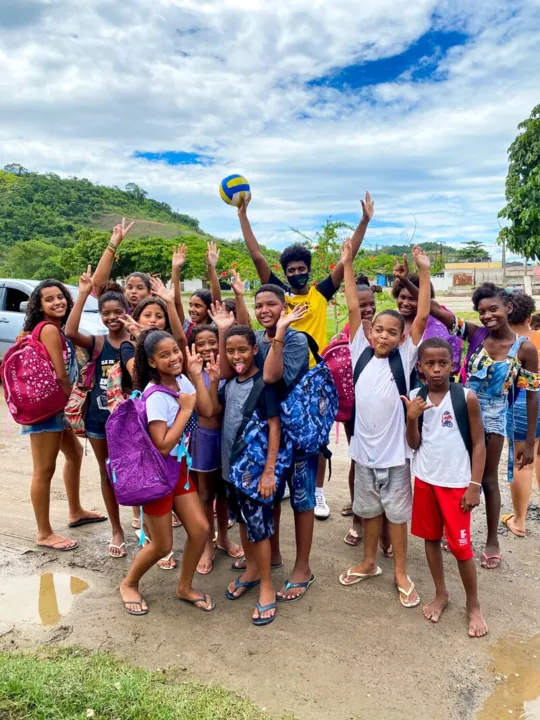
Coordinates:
[315,101]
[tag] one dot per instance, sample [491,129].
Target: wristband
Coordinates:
[112,247]
[475,483]
[276,340]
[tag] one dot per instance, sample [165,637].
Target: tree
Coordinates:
[522,190]
[138,193]
[472,251]
[15,169]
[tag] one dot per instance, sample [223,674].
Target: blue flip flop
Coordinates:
[264,608]
[239,584]
[291,586]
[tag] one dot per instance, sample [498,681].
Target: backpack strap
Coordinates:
[423,393]
[459,403]
[361,363]
[251,403]
[36,332]
[159,388]
[396,366]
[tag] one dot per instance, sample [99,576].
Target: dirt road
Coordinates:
[339,653]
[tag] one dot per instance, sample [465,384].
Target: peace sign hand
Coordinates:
[415,407]
[368,207]
[212,369]
[131,325]
[120,231]
[85,282]
[401,270]
[194,362]
[238,285]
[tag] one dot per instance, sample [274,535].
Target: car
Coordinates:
[14,296]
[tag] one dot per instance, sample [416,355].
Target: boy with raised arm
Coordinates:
[378,445]
[296,264]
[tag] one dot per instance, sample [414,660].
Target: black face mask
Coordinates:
[298,282]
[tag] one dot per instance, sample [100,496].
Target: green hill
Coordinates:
[53,227]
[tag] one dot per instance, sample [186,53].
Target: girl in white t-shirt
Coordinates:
[158,361]
[378,445]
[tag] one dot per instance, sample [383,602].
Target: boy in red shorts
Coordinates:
[444,425]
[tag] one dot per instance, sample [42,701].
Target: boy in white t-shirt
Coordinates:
[378,445]
[447,479]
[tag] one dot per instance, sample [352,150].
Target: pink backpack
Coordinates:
[31,389]
[338,359]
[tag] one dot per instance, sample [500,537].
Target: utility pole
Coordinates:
[504,262]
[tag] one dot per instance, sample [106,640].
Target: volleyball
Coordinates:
[234,189]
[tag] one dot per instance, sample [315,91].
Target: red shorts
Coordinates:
[164,505]
[437,510]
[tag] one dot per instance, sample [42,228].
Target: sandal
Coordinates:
[206,572]
[387,552]
[359,577]
[347,510]
[167,559]
[486,558]
[514,531]
[244,586]
[118,547]
[408,593]
[352,538]
[264,608]
[292,586]
[235,555]
[204,598]
[140,602]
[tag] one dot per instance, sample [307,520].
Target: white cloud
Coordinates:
[84,85]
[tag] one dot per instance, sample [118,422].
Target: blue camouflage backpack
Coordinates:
[309,410]
[248,456]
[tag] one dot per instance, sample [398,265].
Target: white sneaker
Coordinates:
[322,510]
[287,493]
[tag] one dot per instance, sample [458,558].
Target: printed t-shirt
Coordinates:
[442,458]
[164,407]
[97,406]
[379,432]
[233,398]
[314,321]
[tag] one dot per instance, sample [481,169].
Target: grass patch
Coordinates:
[68,684]
[145,227]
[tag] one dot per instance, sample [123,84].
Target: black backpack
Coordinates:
[396,368]
[459,404]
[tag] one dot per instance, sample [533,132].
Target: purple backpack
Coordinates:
[138,472]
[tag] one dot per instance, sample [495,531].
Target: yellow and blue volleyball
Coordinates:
[234,189]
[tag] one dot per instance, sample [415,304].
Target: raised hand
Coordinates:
[242,208]
[120,231]
[131,325]
[179,257]
[421,260]
[159,289]
[238,285]
[287,319]
[212,369]
[401,269]
[85,282]
[346,252]
[212,254]
[194,362]
[415,407]
[221,316]
[187,401]
[368,207]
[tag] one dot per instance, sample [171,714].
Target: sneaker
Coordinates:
[322,511]
[287,493]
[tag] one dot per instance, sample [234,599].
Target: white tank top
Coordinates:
[442,458]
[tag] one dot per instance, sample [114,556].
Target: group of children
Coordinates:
[422,446]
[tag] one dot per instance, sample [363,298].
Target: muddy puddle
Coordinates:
[516,661]
[38,599]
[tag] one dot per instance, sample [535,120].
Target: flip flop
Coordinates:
[167,558]
[58,546]
[387,552]
[408,594]
[291,586]
[352,538]
[229,553]
[136,524]
[117,547]
[504,521]
[135,602]
[346,510]
[87,521]
[264,608]
[206,572]
[245,586]
[360,577]
[235,567]
[176,522]
[487,558]
[198,600]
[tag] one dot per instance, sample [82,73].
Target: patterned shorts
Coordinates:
[257,517]
[302,480]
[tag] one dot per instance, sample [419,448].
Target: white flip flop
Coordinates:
[408,594]
[360,577]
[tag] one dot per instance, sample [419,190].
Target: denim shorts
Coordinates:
[257,517]
[378,491]
[94,428]
[517,417]
[493,414]
[302,480]
[56,423]
[205,449]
